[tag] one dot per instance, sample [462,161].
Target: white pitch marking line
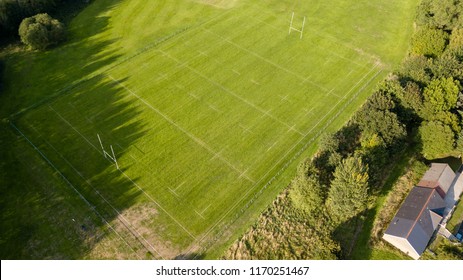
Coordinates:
[293,128]
[130,179]
[213,108]
[232,93]
[236,72]
[203,53]
[204,210]
[172,122]
[194,96]
[273,145]
[283,98]
[179,185]
[309,112]
[281,159]
[172,191]
[199,214]
[247,130]
[121,217]
[265,59]
[332,93]
[216,155]
[243,174]
[255,82]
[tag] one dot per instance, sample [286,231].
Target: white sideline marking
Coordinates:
[172,191]
[169,120]
[91,206]
[230,92]
[272,145]
[130,179]
[231,208]
[202,217]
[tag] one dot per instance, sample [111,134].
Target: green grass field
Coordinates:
[208,105]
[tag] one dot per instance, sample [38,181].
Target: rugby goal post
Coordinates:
[111,156]
[292,28]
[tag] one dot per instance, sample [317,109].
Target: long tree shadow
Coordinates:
[53,164]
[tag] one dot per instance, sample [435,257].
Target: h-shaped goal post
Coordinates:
[106,154]
[291,28]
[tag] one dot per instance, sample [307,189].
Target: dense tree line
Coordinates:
[12,12]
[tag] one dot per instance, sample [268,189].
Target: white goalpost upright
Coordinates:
[291,28]
[106,154]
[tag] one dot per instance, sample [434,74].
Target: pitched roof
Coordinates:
[422,208]
[439,175]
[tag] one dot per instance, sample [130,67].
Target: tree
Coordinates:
[13,11]
[441,94]
[443,14]
[437,140]
[456,38]
[416,68]
[305,192]
[449,64]
[429,42]
[41,31]
[348,194]
[382,123]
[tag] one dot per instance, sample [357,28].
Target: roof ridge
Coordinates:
[421,212]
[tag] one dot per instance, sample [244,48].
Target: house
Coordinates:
[422,211]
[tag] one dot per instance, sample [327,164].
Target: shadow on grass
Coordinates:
[60,197]
[362,249]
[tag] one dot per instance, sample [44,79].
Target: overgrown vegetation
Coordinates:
[419,105]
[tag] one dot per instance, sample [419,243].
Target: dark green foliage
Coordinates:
[348,194]
[442,14]
[12,12]
[41,31]
[374,153]
[429,42]
[449,64]
[441,95]
[417,69]
[377,117]
[437,139]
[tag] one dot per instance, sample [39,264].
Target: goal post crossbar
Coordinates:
[106,154]
[291,28]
